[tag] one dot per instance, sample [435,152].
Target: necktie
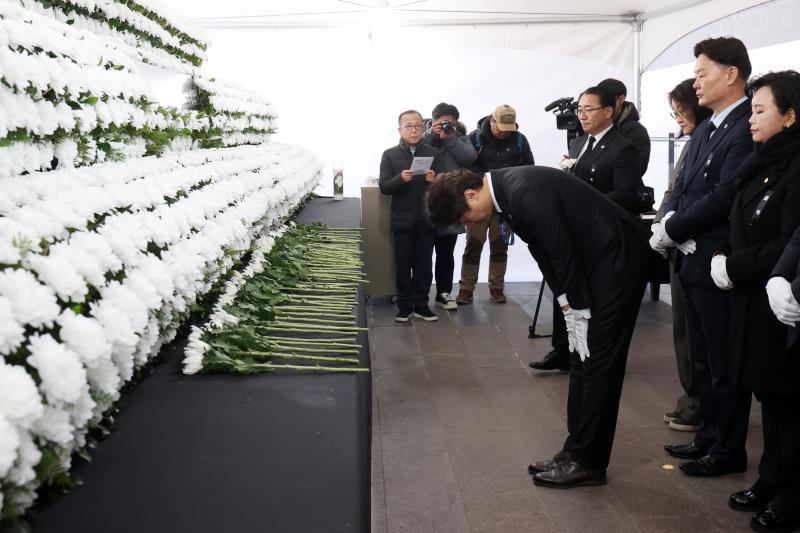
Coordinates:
[591,145]
[710,130]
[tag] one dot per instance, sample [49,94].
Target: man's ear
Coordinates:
[470,195]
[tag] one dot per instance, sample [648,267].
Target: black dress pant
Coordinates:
[724,407]
[413,265]
[445,263]
[781,419]
[595,385]
[559,340]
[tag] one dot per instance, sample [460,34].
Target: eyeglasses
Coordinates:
[586,110]
[412,127]
[679,113]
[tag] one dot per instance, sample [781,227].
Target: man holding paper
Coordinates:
[405,172]
[593,253]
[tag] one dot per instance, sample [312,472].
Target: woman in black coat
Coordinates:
[765,214]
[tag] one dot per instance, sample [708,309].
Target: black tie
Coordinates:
[710,130]
[591,145]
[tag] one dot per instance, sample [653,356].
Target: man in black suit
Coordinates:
[698,210]
[626,120]
[610,163]
[593,254]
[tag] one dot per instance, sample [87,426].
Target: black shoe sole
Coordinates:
[594,482]
[536,366]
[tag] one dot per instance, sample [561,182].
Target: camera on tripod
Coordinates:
[565,110]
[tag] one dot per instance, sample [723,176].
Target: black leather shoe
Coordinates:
[685,451]
[548,464]
[554,360]
[747,500]
[712,466]
[771,520]
[569,474]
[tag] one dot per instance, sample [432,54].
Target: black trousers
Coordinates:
[724,407]
[413,265]
[781,418]
[445,263]
[559,340]
[595,385]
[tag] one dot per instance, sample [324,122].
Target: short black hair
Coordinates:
[445,109]
[613,86]
[606,98]
[407,112]
[728,51]
[684,95]
[785,86]
[445,196]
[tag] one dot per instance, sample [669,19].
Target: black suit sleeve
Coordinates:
[756,262]
[555,252]
[625,174]
[715,206]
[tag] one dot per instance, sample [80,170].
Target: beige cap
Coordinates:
[505,117]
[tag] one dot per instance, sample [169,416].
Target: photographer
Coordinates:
[499,145]
[454,152]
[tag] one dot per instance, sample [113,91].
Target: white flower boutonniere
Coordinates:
[568,164]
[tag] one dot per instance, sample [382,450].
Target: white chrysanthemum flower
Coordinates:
[9,443]
[86,265]
[81,411]
[60,369]
[9,254]
[104,377]
[32,302]
[59,273]
[193,354]
[20,402]
[28,456]
[12,334]
[124,299]
[54,426]
[85,336]
[95,245]
[115,322]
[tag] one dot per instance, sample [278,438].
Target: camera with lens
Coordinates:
[448,127]
[565,110]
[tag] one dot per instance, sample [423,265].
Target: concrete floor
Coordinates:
[458,415]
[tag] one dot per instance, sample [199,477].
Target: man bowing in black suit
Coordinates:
[593,253]
[698,210]
[608,162]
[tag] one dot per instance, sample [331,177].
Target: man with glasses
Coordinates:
[609,162]
[413,232]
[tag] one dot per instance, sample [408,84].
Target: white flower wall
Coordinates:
[116,214]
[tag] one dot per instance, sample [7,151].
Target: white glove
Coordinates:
[655,239]
[578,331]
[782,301]
[665,238]
[687,247]
[719,272]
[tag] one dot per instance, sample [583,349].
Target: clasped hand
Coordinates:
[578,331]
[660,240]
[782,301]
[719,272]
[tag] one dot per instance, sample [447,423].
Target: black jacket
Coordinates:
[407,206]
[704,193]
[569,227]
[627,123]
[514,150]
[612,167]
[765,214]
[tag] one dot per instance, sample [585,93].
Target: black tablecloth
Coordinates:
[229,453]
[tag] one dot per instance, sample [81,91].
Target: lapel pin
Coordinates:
[725,126]
[602,146]
[766,180]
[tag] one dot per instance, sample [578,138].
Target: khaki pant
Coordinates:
[498,255]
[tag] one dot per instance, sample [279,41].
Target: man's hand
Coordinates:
[719,272]
[436,129]
[429,175]
[782,301]
[687,247]
[655,239]
[577,330]
[406,175]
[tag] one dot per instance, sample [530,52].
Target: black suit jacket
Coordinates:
[569,227]
[612,167]
[704,193]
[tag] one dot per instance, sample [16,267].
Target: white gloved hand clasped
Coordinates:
[578,331]
[782,301]
[719,272]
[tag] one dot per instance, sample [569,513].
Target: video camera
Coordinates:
[566,116]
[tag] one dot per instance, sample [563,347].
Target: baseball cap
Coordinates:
[505,117]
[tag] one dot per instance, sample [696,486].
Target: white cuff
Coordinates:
[562,300]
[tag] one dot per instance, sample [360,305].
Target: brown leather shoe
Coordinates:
[464,297]
[548,464]
[497,296]
[569,474]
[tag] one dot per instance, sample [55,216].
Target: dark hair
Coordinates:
[785,86]
[728,51]
[445,196]
[445,109]
[613,86]
[606,98]
[407,112]
[683,94]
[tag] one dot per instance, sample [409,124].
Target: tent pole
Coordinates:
[637,60]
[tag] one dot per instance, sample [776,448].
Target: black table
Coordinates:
[230,453]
